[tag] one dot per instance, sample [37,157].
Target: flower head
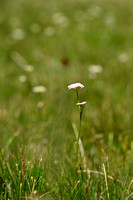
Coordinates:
[28,68]
[75,85]
[95,69]
[22,78]
[81,104]
[123,57]
[39,89]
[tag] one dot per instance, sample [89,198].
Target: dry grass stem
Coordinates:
[81,148]
[105,175]
[23,163]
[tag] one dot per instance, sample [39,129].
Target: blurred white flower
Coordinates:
[94,69]
[28,68]
[18,34]
[123,57]
[49,31]
[40,104]
[39,89]
[75,85]
[81,104]
[59,18]
[22,78]
[95,11]
[110,20]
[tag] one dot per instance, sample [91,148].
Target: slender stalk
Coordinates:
[80,123]
[79,129]
[79,133]
[77,95]
[81,148]
[105,174]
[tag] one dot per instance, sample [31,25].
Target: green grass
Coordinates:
[44,34]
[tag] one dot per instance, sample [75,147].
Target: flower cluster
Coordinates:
[81,104]
[76,86]
[39,89]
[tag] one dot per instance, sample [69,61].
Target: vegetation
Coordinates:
[44,47]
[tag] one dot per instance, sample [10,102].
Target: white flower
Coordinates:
[75,85]
[123,57]
[59,18]
[22,78]
[28,68]
[40,104]
[110,20]
[94,69]
[81,104]
[18,34]
[95,11]
[39,89]
[49,31]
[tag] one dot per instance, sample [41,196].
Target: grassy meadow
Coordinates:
[44,47]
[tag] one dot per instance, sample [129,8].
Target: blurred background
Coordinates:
[47,45]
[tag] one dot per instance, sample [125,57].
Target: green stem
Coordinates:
[77,149]
[80,123]
[79,132]
[77,95]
